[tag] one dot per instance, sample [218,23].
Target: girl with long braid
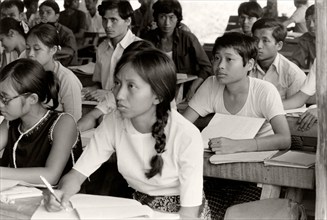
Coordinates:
[158,151]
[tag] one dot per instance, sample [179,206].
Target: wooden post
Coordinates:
[321,83]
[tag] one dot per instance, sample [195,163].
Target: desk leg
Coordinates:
[270,191]
[294,194]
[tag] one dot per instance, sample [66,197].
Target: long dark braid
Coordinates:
[160,138]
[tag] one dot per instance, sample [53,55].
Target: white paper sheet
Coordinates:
[241,157]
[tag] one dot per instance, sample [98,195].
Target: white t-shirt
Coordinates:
[182,172]
[309,86]
[263,101]
[284,74]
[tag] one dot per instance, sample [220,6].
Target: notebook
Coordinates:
[9,195]
[85,206]
[87,69]
[298,159]
[231,126]
[242,157]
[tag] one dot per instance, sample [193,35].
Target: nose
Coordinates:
[260,44]
[312,24]
[120,93]
[109,24]
[30,53]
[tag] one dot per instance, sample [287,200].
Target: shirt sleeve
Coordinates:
[296,78]
[190,161]
[97,69]
[108,104]
[202,102]
[99,149]
[309,86]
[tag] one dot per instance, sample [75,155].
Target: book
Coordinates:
[242,157]
[84,69]
[231,126]
[297,159]
[9,195]
[85,206]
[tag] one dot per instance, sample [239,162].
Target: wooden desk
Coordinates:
[180,86]
[272,177]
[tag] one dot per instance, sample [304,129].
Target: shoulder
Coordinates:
[259,85]
[288,66]
[182,125]
[182,34]
[63,30]
[65,74]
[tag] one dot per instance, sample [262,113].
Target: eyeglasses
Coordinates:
[6,100]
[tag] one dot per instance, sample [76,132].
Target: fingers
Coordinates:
[306,121]
[50,203]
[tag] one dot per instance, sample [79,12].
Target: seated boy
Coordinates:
[306,50]
[248,13]
[298,16]
[49,13]
[232,92]
[273,66]
[308,90]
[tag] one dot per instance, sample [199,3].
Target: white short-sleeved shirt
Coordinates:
[284,74]
[309,86]
[94,23]
[107,57]
[182,172]
[263,101]
[70,95]
[299,18]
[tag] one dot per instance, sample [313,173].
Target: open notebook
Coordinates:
[94,207]
[231,126]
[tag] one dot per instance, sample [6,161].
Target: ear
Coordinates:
[279,45]
[33,98]
[128,21]
[11,33]
[54,50]
[250,64]
[157,100]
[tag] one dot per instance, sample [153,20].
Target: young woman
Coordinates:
[41,45]
[37,140]
[12,36]
[158,151]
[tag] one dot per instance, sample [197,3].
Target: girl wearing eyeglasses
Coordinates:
[36,139]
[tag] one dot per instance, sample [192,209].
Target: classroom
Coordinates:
[163,109]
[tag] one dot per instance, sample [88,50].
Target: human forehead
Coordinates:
[128,73]
[47,9]
[10,11]
[33,40]
[6,88]
[246,16]
[227,51]
[112,13]
[264,32]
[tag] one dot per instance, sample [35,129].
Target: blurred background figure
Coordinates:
[93,19]
[31,15]
[298,17]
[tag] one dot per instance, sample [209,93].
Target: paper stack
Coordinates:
[298,159]
[18,192]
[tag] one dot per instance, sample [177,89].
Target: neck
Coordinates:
[50,66]
[144,122]
[33,117]
[92,11]
[265,64]
[117,39]
[167,36]
[20,47]
[240,87]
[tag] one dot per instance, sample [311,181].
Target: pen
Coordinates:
[49,187]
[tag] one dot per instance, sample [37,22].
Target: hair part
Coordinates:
[8,23]
[29,76]
[246,46]
[52,4]
[13,3]
[166,7]
[279,31]
[123,7]
[157,69]
[46,33]
[251,9]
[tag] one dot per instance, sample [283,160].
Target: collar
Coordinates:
[275,65]
[128,38]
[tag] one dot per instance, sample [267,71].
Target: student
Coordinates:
[37,140]
[182,46]
[31,15]
[232,92]
[305,53]
[143,18]
[13,9]
[116,16]
[93,19]
[248,13]
[157,149]
[12,36]
[49,13]
[92,118]
[308,89]
[41,45]
[273,66]
[74,19]
[298,17]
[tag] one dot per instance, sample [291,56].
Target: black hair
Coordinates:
[157,69]
[138,46]
[302,2]
[52,4]
[9,4]
[251,9]
[8,23]
[245,45]
[29,76]
[46,33]
[124,8]
[310,11]
[28,3]
[166,7]
[279,30]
